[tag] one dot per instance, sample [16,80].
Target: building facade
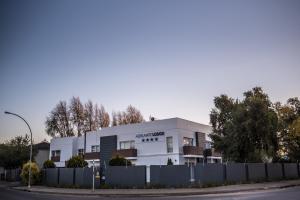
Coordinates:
[43,149]
[147,143]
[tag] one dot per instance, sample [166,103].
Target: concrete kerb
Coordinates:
[163,192]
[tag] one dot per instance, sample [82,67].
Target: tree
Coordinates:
[289,131]
[35,173]
[101,117]
[65,121]
[89,116]
[119,161]
[114,119]
[14,153]
[49,164]
[77,115]
[131,116]
[59,121]
[76,162]
[245,130]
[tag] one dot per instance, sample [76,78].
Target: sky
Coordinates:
[168,58]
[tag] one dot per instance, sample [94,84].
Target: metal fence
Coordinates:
[172,175]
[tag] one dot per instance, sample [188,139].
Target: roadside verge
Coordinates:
[161,192]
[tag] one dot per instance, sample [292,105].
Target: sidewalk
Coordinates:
[162,192]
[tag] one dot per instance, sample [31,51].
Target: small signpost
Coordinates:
[93,176]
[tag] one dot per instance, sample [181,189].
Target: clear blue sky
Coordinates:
[167,58]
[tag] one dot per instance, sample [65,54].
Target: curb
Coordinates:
[190,193]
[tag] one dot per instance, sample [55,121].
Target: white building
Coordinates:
[147,143]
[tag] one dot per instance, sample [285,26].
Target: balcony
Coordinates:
[192,150]
[125,153]
[212,153]
[92,156]
[55,158]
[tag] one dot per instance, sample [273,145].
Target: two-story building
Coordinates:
[147,143]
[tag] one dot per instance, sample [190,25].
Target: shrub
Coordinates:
[119,161]
[76,162]
[49,164]
[35,173]
[170,162]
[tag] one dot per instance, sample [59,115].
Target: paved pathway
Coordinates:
[163,192]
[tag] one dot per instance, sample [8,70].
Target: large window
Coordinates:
[80,152]
[55,153]
[169,141]
[127,144]
[95,148]
[187,141]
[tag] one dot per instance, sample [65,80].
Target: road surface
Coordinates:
[292,193]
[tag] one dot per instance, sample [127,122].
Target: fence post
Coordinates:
[247,171]
[148,174]
[266,171]
[192,176]
[93,176]
[58,174]
[283,170]
[298,167]
[225,172]
[74,176]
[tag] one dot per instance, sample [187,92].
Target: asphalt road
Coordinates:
[292,193]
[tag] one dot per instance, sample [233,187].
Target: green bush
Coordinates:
[170,162]
[49,164]
[35,173]
[76,162]
[119,161]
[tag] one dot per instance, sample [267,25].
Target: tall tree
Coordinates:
[245,130]
[101,117]
[114,121]
[59,121]
[77,115]
[131,116]
[89,124]
[289,129]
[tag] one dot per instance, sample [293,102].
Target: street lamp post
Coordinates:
[30,158]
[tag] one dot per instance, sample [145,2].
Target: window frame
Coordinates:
[97,148]
[169,143]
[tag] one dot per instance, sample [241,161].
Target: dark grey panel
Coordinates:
[274,171]
[84,178]
[256,171]
[121,176]
[236,172]
[210,173]
[290,170]
[66,176]
[51,177]
[107,145]
[170,175]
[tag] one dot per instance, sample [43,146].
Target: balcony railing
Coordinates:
[125,153]
[92,155]
[55,158]
[192,150]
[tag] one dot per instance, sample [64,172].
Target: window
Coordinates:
[169,141]
[187,141]
[95,148]
[80,152]
[127,144]
[208,145]
[55,153]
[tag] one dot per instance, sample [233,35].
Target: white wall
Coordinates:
[66,147]
[152,152]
